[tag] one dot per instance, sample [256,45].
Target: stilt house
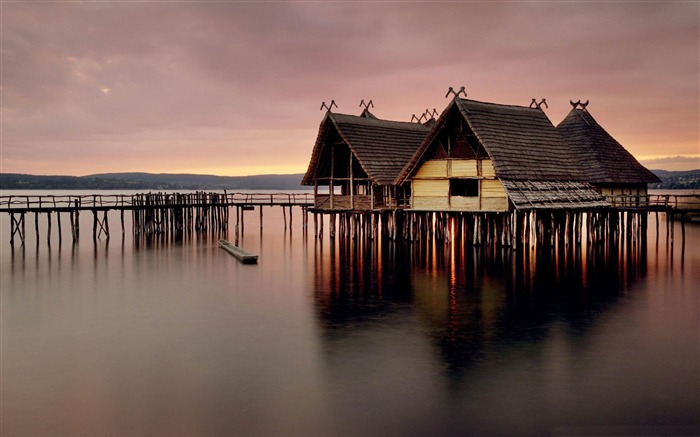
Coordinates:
[359,159]
[611,169]
[490,157]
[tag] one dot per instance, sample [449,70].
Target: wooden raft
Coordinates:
[240,254]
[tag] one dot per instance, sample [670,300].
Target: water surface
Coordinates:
[343,338]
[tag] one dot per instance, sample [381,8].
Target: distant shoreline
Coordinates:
[150,181]
[670,180]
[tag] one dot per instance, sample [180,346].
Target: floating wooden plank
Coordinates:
[240,254]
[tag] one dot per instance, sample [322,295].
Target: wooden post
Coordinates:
[105,222]
[683,219]
[16,226]
[58,219]
[94,224]
[330,183]
[36,226]
[261,218]
[352,188]
[238,221]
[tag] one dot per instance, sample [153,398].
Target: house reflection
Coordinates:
[472,303]
[357,280]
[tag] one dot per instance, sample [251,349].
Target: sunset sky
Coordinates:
[234,88]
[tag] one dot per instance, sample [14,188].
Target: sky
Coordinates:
[234,88]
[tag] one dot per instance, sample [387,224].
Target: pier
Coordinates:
[151,213]
[178,214]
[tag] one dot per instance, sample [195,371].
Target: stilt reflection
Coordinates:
[473,302]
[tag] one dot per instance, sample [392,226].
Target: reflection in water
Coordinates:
[327,337]
[474,302]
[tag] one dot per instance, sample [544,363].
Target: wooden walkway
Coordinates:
[152,213]
[178,214]
[104,202]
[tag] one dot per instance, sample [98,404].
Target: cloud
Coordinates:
[677,162]
[119,81]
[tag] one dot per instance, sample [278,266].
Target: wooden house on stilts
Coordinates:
[359,159]
[483,172]
[501,164]
[491,157]
[611,169]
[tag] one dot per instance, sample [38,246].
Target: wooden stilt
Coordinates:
[58,220]
[36,226]
[48,232]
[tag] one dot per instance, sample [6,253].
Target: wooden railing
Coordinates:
[359,202]
[679,202]
[45,203]
[17,203]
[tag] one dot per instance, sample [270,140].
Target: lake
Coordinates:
[341,337]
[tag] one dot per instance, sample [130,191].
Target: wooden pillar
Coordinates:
[17,227]
[94,224]
[121,217]
[261,218]
[284,217]
[105,223]
[48,233]
[352,188]
[58,219]
[36,226]
[330,183]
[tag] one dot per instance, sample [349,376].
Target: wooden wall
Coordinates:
[625,195]
[431,186]
[640,190]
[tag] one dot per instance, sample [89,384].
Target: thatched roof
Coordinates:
[521,142]
[602,158]
[381,147]
[527,195]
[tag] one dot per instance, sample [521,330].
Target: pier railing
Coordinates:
[46,203]
[663,202]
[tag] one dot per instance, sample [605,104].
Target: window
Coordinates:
[464,187]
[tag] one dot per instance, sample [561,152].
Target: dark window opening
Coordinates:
[464,187]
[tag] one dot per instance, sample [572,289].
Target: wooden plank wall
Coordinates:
[626,195]
[431,186]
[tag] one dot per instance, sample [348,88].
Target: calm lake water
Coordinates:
[346,338]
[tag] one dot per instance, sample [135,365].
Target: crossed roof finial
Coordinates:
[534,104]
[430,114]
[366,105]
[456,93]
[328,107]
[418,119]
[578,103]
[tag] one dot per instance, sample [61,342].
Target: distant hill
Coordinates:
[677,180]
[169,181]
[149,181]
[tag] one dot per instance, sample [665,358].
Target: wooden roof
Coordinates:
[381,147]
[602,158]
[528,195]
[521,142]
